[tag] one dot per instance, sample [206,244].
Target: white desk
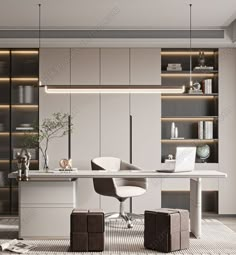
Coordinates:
[47,199]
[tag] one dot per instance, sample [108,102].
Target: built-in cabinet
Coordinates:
[102,122]
[18,117]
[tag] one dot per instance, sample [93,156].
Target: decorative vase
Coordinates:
[172,135]
[176,132]
[46,163]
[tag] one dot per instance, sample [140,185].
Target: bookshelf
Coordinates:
[187,110]
[19,104]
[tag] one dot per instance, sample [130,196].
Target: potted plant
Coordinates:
[51,128]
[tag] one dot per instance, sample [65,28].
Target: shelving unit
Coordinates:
[186,110]
[19,101]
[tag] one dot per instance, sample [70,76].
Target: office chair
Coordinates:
[120,188]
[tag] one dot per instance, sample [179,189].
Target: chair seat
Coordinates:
[129,191]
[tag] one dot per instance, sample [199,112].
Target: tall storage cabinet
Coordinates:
[19,117]
[145,67]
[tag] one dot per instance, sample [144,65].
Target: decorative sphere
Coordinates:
[203,152]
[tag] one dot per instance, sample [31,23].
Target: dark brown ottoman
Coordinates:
[87,230]
[166,230]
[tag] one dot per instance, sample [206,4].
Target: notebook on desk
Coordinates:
[185,160]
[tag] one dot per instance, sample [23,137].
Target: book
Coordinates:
[200,130]
[208,86]
[208,129]
[203,68]
[16,246]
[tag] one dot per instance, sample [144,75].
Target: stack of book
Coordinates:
[205,129]
[25,127]
[174,67]
[207,86]
[203,68]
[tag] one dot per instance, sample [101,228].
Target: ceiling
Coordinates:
[117,14]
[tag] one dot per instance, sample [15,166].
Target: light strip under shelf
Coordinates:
[24,79]
[4,79]
[188,96]
[25,52]
[174,75]
[110,89]
[4,52]
[186,53]
[189,140]
[34,106]
[188,119]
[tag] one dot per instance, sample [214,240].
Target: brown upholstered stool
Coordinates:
[166,230]
[87,230]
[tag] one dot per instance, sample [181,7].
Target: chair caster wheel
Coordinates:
[129,224]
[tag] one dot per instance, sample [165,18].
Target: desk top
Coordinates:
[59,175]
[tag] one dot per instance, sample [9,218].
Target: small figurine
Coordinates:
[23,163]
[66,164]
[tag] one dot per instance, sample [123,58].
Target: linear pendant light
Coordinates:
[106,89]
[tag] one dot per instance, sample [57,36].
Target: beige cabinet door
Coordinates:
[55,66]
[85,66]
[85,144]
[85,116]
[227,135]
[146,124]
[114,112]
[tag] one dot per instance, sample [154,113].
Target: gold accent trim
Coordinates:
[4,133]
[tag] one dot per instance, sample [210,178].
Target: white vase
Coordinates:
[172,134]
[176,132]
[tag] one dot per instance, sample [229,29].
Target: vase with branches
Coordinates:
[51,128]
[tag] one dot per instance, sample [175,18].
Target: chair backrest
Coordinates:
[108,163]
[105,186]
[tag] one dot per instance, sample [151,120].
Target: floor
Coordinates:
[229,221]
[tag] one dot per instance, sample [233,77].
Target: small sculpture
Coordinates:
[65,164]
[201,59]
[23,163]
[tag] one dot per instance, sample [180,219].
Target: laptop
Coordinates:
[184,162]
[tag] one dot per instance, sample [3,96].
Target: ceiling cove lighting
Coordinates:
[108,89]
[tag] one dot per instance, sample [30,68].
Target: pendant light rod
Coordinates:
[39,42]
[190,44]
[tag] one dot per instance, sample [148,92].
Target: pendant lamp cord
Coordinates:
[69,117]
[39,42]
[190,42]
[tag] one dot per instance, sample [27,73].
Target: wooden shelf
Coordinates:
[4,106]
[25,106]
[186,53]
[24,79]
[189,140]
[189,119]
[4,79]
[4,161]
[24,133]
[189,96]
[181,74]
[32,161]
[25,52]
[4,133]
